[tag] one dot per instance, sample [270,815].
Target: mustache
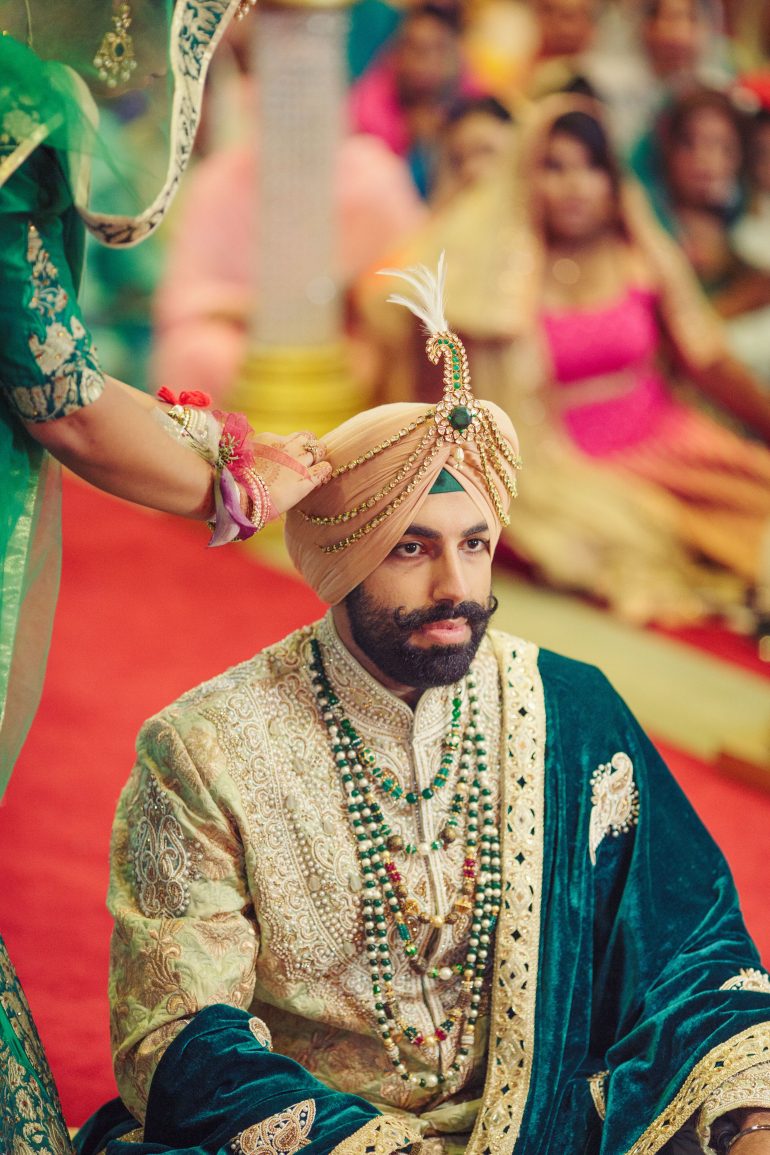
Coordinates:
[473,612]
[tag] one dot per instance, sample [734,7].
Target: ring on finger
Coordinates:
[316,449]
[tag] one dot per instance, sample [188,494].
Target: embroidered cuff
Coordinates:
[67,371]
[749,1088]
[380,1136]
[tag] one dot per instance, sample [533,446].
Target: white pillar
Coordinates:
[300,66]
[296,374]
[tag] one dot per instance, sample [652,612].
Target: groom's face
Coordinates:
[421,615]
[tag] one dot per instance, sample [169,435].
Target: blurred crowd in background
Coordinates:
[598,172]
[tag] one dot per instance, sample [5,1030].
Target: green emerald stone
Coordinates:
[460,417]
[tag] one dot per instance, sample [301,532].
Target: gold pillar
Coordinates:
[296,374]
[284,388]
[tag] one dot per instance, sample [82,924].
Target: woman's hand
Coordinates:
[289,484]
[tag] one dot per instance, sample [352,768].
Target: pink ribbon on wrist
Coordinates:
[281,458]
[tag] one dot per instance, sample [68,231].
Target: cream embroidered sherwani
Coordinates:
[235,881]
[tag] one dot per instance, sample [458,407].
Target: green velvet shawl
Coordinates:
[619,929]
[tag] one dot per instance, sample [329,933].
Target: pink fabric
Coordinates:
[209,280]
[587,344]
[374,105]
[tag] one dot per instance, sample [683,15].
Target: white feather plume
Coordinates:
[429,298]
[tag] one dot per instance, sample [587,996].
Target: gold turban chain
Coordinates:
[386,461]
[458,417]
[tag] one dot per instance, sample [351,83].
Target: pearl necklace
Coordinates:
[383,882]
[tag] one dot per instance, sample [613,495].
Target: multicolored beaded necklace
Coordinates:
[385,892]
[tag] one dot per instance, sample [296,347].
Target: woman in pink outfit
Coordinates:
[208,293]
[579,313]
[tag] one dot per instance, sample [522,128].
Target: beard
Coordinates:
[384,636]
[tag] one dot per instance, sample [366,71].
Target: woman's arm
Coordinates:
[117,445]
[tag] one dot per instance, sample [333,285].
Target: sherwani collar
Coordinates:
[370,706]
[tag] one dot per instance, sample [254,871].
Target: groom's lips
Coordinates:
[451,632]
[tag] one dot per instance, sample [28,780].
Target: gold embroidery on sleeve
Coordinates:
[380,1136]
[740,1053]
[281,1134]
[748,979]
[746,1089]
[135,1136]
[615,801]
[65,357]
[512,1028]
[161,859]
[596,1086]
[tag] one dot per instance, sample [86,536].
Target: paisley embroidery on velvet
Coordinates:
[260,1032]
[512,1027]
[71,373]
[615,801]
[596,1087]
[748,979]
[280,1134]
[740,1053]
[380,1136]
[160,857]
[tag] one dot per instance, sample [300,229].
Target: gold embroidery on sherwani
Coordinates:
[596,1087]
[740,1053]
[160,857]
[271,802]
[746,1089]
[614,799]
[748,979]
[281,1134]
[514,986]
[380,1136]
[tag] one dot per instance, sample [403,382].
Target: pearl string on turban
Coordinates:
[333,575]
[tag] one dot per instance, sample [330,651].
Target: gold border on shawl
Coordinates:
[739,1053]
[514,984]
[16,158]
[380,1136]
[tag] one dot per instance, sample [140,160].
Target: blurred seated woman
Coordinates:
[477,139]
[750,332]
[573,302]
[697,178]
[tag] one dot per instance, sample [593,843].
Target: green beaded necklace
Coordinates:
[384,889]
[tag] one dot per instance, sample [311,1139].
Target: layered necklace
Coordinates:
[385,892]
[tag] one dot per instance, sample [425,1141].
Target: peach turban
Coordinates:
[334,575]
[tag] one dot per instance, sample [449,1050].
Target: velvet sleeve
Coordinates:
[651,994]
[48,366]
[218,1087]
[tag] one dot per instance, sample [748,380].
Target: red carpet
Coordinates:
[145,613]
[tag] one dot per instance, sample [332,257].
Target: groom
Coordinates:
[403,879]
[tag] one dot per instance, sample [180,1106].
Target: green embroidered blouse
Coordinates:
[48,366]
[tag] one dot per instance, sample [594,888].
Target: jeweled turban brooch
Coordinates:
[458,418]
